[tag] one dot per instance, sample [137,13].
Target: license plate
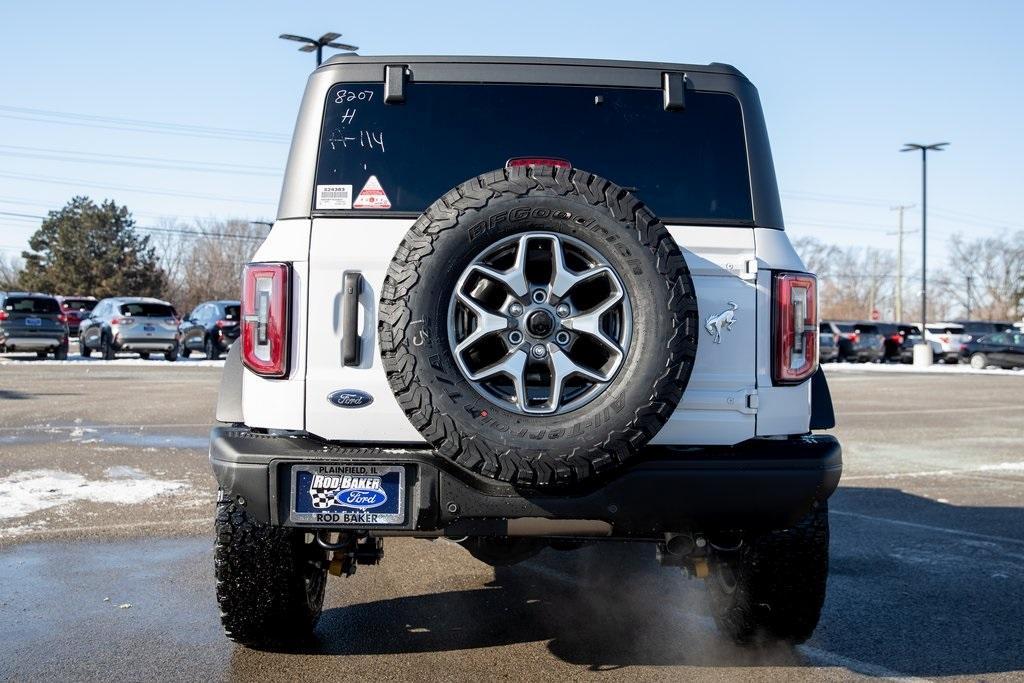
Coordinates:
[348,495]
[33,322]
[149,328]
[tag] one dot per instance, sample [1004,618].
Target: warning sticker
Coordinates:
[372,196]
[333,196]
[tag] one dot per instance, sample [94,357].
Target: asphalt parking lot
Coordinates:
[106,504]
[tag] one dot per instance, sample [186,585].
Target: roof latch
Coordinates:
[673,86]
[394,84]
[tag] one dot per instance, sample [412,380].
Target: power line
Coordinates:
[135,161]
[127,188]
[140,125]
[176,231]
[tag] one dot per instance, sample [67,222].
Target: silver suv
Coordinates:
[137,324]
[32,322]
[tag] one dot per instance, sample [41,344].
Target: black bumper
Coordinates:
[760,484]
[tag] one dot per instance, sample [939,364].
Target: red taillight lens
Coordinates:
[796,328]
[518,162]
[4,315]
[265,296]
[61,318]
[225,323]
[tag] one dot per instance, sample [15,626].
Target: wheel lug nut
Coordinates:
[562,310]
[562,338]
[539,351]
[515,309]
[515,337]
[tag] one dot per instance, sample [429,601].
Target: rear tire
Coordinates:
[979,361]
[144,355]
[270,585]
[41,354]
[171,355]
[83,350]
[61,353]
[210,348]
[185,352]
[773,587]
[107,349]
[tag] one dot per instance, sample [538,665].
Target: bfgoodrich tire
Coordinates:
[270,585]
[580,216]
[773,587]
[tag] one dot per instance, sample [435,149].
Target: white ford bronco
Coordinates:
[523,304]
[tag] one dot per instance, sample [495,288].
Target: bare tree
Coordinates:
[10,272]
[209,264]
[852,281]
[994,267]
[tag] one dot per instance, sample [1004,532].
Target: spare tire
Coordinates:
[538,325]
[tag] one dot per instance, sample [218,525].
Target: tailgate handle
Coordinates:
[352,287]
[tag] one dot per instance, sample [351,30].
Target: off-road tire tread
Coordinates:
[781,583]
[471,451]
[260,588]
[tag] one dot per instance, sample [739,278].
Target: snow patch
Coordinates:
[23,493]
[907,369]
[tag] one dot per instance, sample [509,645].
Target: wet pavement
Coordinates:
[926,581]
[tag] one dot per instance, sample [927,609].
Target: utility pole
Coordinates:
[925,353]
[318,44]
[899,260]
[970,280]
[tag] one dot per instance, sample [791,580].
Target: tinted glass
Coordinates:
[79,304]
[147,310]
[845,327]
[32,304]
[906,330]
[979,328]
[946,329]
[231,312]
[688,164]
[867,329]
[824,328]
[1000,338]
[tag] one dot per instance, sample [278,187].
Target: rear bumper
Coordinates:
[19,343]
[145,344]
[760,484]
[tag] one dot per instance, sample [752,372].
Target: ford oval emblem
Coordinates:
[361,499]
[350,398]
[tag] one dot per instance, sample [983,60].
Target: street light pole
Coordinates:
[318,44]
[925,354]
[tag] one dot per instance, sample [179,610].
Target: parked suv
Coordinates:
[32,322]
[75,308]
[137,324]
[211,327]
[526,303]
[858,342]
[949,337]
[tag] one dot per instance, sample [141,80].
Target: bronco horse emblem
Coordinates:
[724,320]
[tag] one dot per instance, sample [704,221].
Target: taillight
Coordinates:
[517,162]
[265,318]
[225,323]
[4,315]
[796,328]
[61,318]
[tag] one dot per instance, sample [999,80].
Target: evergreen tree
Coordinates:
[91,249]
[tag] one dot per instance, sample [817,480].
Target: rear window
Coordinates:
[686,165]
[980,328]
[845,327]
[946,329]
[867,329]
[79,304]
[231,312]
[824,328]
[147,310]
[32,304]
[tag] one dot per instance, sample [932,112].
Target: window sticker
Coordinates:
[372,196]
[334,197]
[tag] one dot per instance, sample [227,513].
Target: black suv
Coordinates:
[211,327]
[32,322]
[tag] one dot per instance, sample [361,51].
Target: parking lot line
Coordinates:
[1010,467]
[929,527]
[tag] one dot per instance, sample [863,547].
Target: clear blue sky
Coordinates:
[843,85]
